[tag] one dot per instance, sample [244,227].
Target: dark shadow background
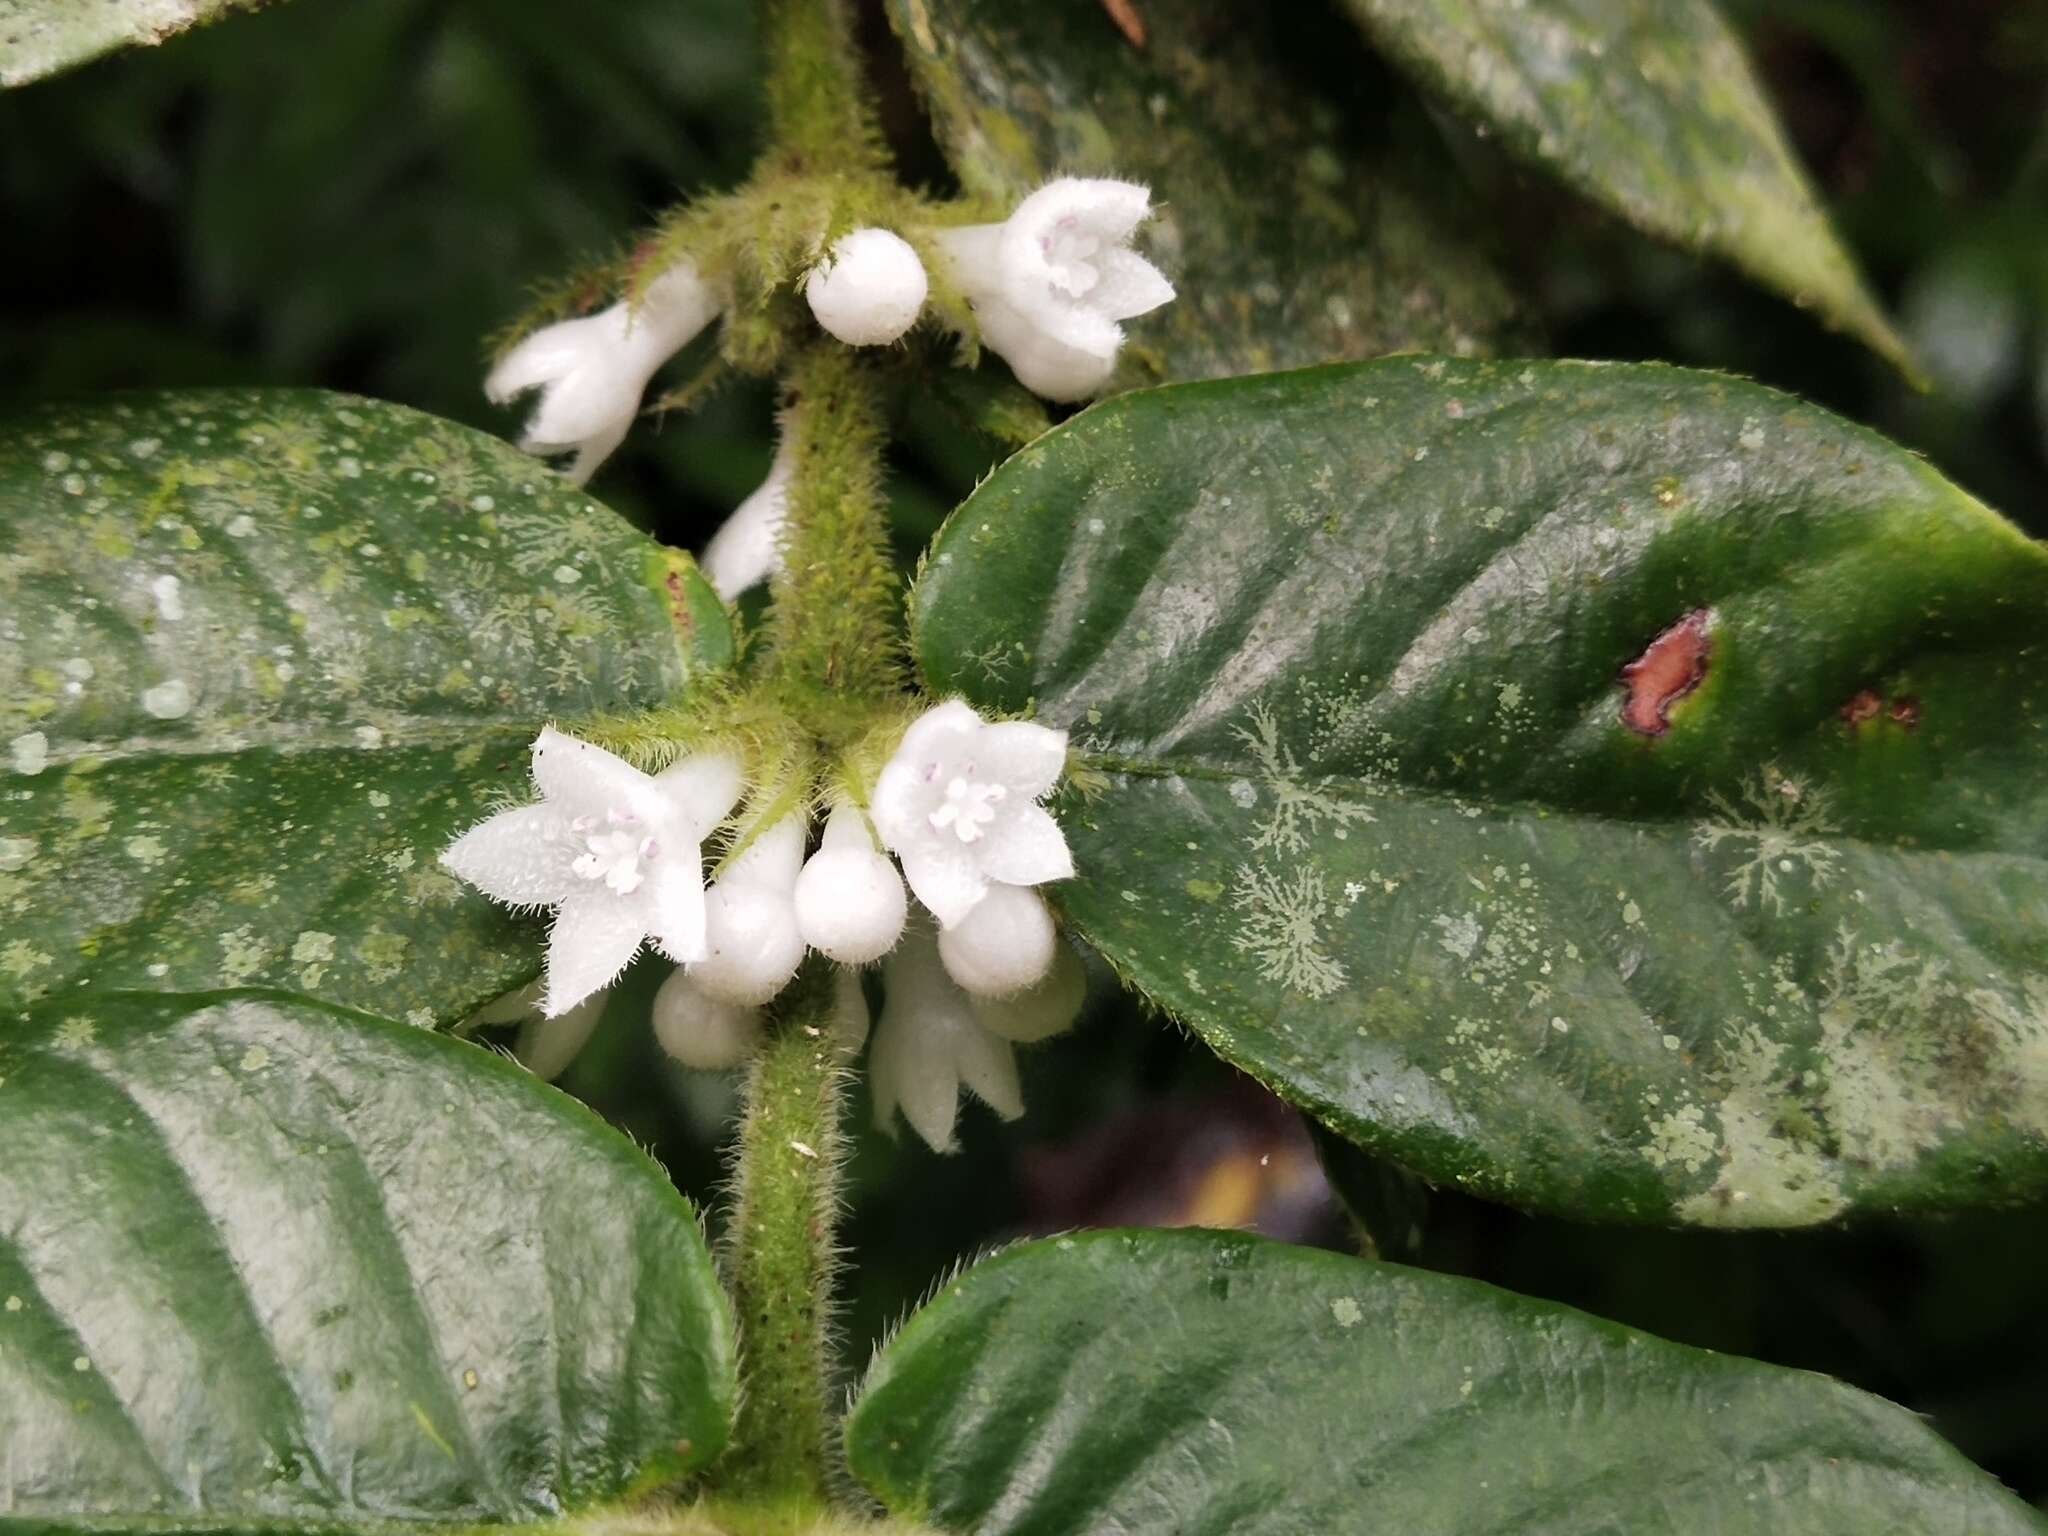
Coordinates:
[355,195]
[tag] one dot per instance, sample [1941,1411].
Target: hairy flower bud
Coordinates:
[850,902]
[700,1031]
[868,289]
[1001,947]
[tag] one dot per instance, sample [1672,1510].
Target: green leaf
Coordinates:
[41,37]
[1299,226]
[1181,1382]
[1649,108]
[1343,649]
[268,1265]
[262,654]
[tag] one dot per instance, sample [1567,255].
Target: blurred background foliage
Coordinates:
[358,195]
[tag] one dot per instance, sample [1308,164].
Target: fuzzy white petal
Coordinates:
[702,788]
[594,937]
[1025,846]
[1043,364]
[1130,286]
[773,859]
[850,904]
[581,777]
[948,883]
[904,1074]
[517,857]
[753,946]
[1028,759]
[675,904]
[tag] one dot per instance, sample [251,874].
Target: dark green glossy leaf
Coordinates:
[1344,649]
[271,1265]
[1200,1383]
[1648,107]
[261,655]
[41,37]
[1300,226]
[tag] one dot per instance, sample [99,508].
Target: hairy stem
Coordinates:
[817,100]
[833,627]
[780,1251]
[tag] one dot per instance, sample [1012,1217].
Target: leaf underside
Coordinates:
[1649,108]
[1202,1383]
[1617,790]
[43,37]
[1300,224]
[272,1266]
[262,655]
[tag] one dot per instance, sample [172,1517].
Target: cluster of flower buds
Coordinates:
[617,855]
[1049,287]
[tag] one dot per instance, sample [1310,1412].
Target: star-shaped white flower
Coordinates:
[616,853]
[933,1037]
[1050,283]
[591,372]
[958,804]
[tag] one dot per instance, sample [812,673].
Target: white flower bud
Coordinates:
[868,289]
[1041,1011]
[700,1031]
[750,921]
[850,902]
[1003,946]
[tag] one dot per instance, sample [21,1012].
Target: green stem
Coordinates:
[818,109]
[833,628]
[780,1254]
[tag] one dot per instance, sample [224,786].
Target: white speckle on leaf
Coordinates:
[1347,1312]
[30,753]
[168,700]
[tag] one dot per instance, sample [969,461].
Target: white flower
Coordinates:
[752,946]
[868,289]
[592,372]
[616,853]
[545,1046]
[849,899]
[700,1031]
[1050,283]
[933,1037]
[748,546]
[958,804]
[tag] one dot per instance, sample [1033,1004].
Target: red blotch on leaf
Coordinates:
[1669,668]
[1866,705]
[1906,711]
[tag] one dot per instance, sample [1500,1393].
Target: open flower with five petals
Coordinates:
[617,854]
[958,805]
[1051,282]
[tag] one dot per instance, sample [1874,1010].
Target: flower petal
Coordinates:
[1039,1012]
[548,354]
[675,905]
[1043,365]
[1024,846]
[945,879]
[591,453]
[987,1065]
[938,730]
[906,1072]
[520,857]
[595,937]
[1130,285]
[1025,759]
[583,778]
[702,790]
